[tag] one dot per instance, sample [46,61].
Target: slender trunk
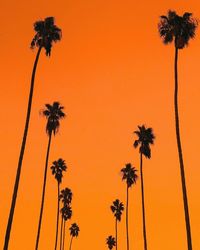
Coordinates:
[61,234]
[185,201]
[17,179]
[70,247]
[127,235]
[63,244]
[143,204]
[116,232]
[57,224]
[43,193]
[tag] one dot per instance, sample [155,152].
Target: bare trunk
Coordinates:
[61,234]
[57,223]
[70,247]
[63,244]
[185,201]
[43,193]
[127,233]
[116,232]
[23,145]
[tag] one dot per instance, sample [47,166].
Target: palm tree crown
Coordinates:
[46,33]
[57,168]
[74,230]
[129,174]
[178,28]
[145,138]
[53,113]
[66,212]
[117,208]
[66,196]
[110,241]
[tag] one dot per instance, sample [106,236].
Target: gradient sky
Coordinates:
[112,73]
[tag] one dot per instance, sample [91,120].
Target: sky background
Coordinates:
[111,72]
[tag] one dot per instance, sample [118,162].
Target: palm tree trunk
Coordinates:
[70,247]
[127,235]
[17,179]
[143,204]
[63,244]
[61,234]
[57,224]
[185,201]
[116,232]
[43,193]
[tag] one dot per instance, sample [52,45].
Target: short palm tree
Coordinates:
[110,241]
[145,138]
[66,198]
[117,208]
[46,33]
[53,114]
[57,170]
[66,212]
[130,176]
[179,29]
[74,231]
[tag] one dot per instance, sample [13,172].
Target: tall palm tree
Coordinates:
[179,29]
[46,33]
[57,168]
[66,198]
[130,176]
[74,231]
[117,208]
[66,215]
[53,114]
[110,241]
[145,138]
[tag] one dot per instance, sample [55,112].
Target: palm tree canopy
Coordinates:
[129,174]
[53,113]
[57,168]
[66,212]
[117,209]
[74,230]
[110,241]
[46,33]
[66,196]
[178,28]
[145,138]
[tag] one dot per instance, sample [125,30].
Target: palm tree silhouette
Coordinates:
[46,33]
[74,231]
[130,176]
[117,208]
[57,168]
[66,198]
[53,114]
[179,29]
[66,212]
[110,241]
[145,138]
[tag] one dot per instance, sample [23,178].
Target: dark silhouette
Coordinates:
[130,176]
[46,34]
[66,198]
[145,138]
[110,241]
[66,215]
[74,231]
[53,114]
[117,209]
[57,168]
[179,29]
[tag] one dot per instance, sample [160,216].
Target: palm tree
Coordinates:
[57,168]
[74,231]
[53,114]
[110,241]
[130,176]
[46,33]
[66,215]
[66,198]
[117,209]
[145,138]
[179,29]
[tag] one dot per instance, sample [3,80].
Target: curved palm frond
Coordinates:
[57,168]
[66,196]
[117,208]
[110,241]
[74,230]
[129,174]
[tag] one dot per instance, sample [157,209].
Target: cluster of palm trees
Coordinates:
[145,137]
[172,27]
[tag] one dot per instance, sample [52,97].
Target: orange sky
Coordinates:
[112,73]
